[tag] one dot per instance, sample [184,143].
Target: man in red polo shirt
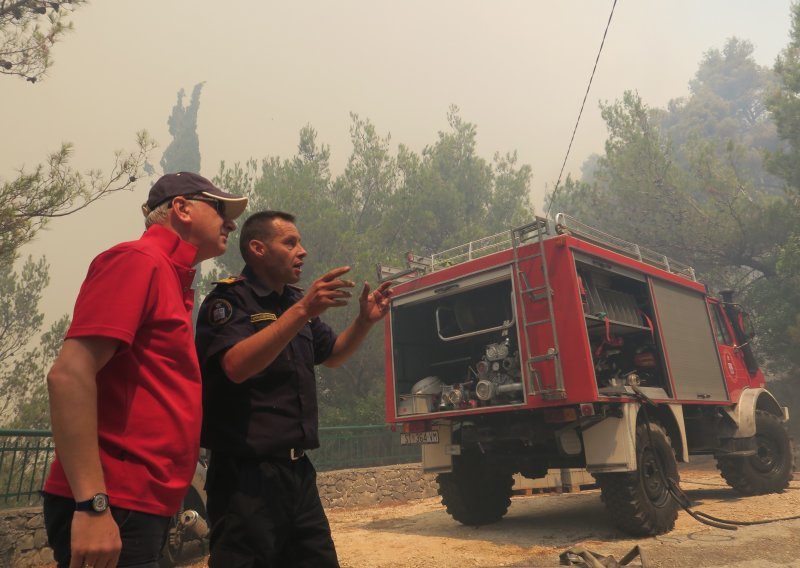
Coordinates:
[125,391]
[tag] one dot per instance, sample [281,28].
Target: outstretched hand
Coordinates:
[374,306]
[326,292]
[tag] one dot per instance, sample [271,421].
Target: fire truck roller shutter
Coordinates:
[689,343]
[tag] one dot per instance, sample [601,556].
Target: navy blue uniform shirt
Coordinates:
[275,409]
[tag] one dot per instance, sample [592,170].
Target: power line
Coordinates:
[583,104]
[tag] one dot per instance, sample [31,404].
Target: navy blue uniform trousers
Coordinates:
[266,513]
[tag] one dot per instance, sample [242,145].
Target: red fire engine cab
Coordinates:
[555,345]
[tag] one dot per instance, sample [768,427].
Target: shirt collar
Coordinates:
[259,287]
[262,289]
[179,251]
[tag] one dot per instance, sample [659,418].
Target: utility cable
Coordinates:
[583,104]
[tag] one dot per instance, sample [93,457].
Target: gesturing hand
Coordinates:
[326,292]
[373,307]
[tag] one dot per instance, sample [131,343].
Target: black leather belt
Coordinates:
[293,454]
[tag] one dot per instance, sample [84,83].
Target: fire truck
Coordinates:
[555,345]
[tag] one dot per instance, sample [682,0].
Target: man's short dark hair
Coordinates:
[258,226]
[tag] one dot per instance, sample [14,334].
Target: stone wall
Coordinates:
[23,543]
[375,486]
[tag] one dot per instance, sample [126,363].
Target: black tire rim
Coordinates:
[652,478]
[768,456]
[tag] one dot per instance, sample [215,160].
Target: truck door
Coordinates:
[733,364]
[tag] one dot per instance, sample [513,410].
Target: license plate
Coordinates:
[416,438]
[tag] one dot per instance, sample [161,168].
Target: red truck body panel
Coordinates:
[576,354]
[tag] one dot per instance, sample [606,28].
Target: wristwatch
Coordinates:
[97,504]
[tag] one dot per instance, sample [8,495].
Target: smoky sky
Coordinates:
[516,69]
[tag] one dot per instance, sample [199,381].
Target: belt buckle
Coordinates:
[295,455]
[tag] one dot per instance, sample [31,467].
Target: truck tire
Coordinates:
[770,469]
[640,502]
[476,496]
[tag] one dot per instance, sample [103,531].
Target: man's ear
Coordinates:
[257,248]
[180,208]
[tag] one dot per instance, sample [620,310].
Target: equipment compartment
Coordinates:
[621,325]
[457,346]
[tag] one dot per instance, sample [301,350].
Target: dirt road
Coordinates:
[538,528]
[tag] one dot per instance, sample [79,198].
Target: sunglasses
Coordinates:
[218,205]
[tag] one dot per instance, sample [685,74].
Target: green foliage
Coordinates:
[32,409]
[300,185]
[19,317]
[23,391]
[782,296]
[702,210]
[449,195]
[339,407]
[690,182]
[28,31]
[383,204]
[733,79]
[370,178]
[578,198]
[57,189]
[183,153]
[728,107]
[28,203]
[777,300]
[784,105]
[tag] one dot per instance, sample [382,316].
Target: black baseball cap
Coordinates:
[188,183]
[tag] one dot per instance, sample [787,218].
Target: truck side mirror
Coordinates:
[739,318]
[746,325]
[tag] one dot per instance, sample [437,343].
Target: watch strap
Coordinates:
[97,504]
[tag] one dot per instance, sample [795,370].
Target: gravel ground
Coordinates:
[538,528]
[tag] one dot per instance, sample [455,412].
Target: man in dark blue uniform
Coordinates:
[258,340]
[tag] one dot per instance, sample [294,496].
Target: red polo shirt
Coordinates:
[149,393]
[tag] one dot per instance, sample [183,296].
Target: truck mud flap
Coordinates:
[610,445]
[438,458]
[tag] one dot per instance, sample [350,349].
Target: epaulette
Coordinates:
[230,280]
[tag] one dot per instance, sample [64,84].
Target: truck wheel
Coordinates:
[476,496]
[639,501]
[770,469]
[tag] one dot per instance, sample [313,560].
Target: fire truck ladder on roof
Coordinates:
[537,292]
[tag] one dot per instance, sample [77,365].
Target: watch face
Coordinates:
[100,502]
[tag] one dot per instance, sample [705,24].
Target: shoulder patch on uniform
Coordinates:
[230,280]
[263,316]
[219,312]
